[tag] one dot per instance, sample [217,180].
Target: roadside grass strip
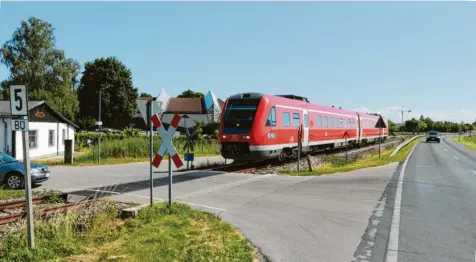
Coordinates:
[467,141]
[96,233]
[335,165]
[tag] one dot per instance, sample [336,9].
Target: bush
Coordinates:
[138,147]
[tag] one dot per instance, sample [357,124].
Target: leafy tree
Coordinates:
[411,125]
[422,126]
[143,94]
[191,94]
[34,61]
[118,95]
[392,127]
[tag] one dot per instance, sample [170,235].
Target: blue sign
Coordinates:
[188,156]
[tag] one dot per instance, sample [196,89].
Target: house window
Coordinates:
[296,121]
[319,121]
[286,119]
[51,137]
[271,117]
[32,136]
[63,134]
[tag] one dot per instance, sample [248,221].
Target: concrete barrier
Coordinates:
[404,144]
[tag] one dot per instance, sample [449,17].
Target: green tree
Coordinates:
[118,95]
[392,127]
[422,126]
[33,60]
[191,94]
[143,94]
[411,125]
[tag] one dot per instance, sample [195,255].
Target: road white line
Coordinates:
[456,158]
[141,196]
[474,171]
[446,149]
[392,249]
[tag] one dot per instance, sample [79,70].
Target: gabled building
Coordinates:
[192,110]
[47,131]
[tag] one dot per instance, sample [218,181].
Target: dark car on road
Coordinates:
[433,136]
[12,172]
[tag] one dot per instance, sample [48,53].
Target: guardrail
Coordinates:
[404,144]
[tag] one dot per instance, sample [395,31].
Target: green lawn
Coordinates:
[13,194]
[372,161]
[183,235]
[468,141]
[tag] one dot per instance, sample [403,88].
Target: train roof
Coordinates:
[301,101]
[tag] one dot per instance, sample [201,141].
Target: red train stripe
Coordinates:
[175,121]
[157,160]
[177,161]
[156,121]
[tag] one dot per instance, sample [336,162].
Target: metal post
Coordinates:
[151,152]
[99,127]
[187,142]
[379,141]
[27,176]
[346,149]
[299,150]
[170,181]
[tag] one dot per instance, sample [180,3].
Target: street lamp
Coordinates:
[99,124]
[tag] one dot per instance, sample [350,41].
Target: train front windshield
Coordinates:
[239,114]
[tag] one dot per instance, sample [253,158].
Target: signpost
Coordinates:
[19,108]
[146,108]
[188,144]
[167,146]
[380,124]
[346,136]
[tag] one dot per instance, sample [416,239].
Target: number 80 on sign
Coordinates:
[19,124]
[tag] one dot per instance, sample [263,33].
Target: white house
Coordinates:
[47,131]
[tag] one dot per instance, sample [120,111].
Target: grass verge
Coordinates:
[7,194]
[373,160]
[467,141]
[96,234]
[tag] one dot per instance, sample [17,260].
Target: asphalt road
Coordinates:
[326,218]
[438,205]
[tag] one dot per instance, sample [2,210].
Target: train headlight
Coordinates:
[224,137]
[245,137]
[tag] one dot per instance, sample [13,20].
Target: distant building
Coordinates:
[48,130]
[207,110]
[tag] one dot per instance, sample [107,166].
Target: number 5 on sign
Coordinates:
[18,100]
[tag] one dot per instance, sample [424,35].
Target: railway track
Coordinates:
[263,164]
[20,204]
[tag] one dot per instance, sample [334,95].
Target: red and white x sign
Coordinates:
[167,144]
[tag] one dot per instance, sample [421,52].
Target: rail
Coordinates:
[404,144]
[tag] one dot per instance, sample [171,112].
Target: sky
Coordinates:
[365,56]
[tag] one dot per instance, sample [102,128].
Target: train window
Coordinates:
[331,122]
[286,119]
[325,121]
[271,117]
[350,122]
[341,122]
[319,121]
[306,120]
[296,120]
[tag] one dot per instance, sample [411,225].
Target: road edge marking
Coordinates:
[392,248]
[455,158]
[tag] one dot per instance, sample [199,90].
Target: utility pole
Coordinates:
[99,124]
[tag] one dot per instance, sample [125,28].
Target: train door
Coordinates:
[305,133]
[359,128]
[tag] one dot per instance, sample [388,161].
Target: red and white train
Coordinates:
[258,126]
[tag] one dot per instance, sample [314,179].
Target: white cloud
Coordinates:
[394,114]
